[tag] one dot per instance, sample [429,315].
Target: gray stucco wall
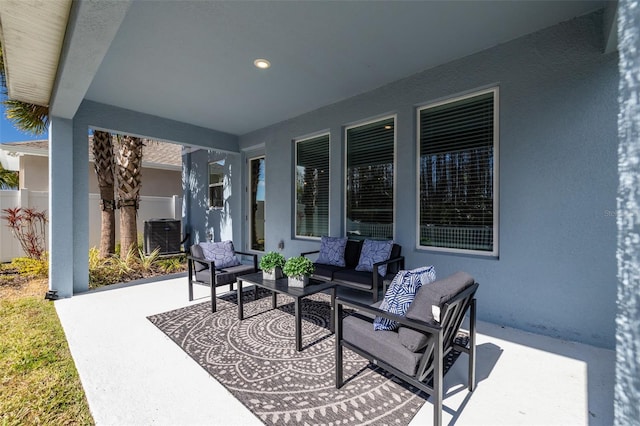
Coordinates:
[213,224]
[556,272]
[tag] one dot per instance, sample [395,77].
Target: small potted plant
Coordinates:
[298,269]
[271,265]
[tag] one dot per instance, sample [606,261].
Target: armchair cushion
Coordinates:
[224,276]
[436,294]
[196,251]
[222,253]
[401,293]
[332,251]
[358,331]
[373,252]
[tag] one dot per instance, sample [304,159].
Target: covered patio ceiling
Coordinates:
[192,61]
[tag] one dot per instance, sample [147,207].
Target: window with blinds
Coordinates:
[457,144]
[216,184]
[312,187]
[370,180]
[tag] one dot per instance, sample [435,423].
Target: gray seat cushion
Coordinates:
[437,293]
[226,275]
[384,345]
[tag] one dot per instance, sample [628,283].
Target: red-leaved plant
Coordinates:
[28,226]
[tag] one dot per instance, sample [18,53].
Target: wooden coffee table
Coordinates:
[282,286]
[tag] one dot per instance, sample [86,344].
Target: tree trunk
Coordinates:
[104,165]
[129,162]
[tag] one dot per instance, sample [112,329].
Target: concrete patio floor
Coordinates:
[133,374]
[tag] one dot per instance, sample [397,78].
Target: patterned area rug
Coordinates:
[256,360]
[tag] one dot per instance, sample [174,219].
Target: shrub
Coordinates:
[28,226]
[32,268]
[172,264]
[147,261]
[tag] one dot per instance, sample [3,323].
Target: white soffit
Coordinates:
[31,33]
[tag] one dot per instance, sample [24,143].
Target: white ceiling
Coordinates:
[192,61]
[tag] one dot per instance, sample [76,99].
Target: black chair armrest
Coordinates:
[309,252]
[420,326]
[389,261]
[376,275]
[252,255]
[210,263]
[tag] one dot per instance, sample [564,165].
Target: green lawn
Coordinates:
[39,381]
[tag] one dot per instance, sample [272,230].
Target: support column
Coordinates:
[80,190]
[186,196]
[61,206]
[627,388]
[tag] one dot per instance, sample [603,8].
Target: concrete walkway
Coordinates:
[134,375]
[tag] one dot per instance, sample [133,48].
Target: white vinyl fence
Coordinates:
[150,208]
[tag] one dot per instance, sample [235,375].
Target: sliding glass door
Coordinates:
[256,203]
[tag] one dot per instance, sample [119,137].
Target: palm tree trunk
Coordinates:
[129,162]
[104,165]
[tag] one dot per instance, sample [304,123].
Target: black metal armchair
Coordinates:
[416,351]
[204,271]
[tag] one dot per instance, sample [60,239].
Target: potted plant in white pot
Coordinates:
[298,269]
[271,265]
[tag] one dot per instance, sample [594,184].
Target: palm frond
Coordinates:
[8,179]
[27,117]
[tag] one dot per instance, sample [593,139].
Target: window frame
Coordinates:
[220,184]
[494,253]
[395,167]
[295,194]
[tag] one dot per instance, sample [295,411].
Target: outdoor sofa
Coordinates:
[348,274]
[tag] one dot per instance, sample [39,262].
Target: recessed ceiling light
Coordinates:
[388,127]
[263,64]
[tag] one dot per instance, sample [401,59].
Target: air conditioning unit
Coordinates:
[163,234]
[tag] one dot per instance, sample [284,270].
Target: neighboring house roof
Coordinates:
[155,154]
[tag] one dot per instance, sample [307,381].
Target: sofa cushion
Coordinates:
[435,294]
[332,251]
[196,251]
[326,272]
[222,253]
[374,251]
[384,345]
[359,279]
[352,253]
[401,293]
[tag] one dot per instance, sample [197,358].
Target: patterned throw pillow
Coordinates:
[332,251]
[401,293]
[222,254]
[374,252]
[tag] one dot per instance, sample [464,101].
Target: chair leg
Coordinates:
[190,264]
[338,337]
[437,380]
[212,282]
[472,346]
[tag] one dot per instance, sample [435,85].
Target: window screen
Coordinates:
[312,187]
[370,180]
[457,174]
